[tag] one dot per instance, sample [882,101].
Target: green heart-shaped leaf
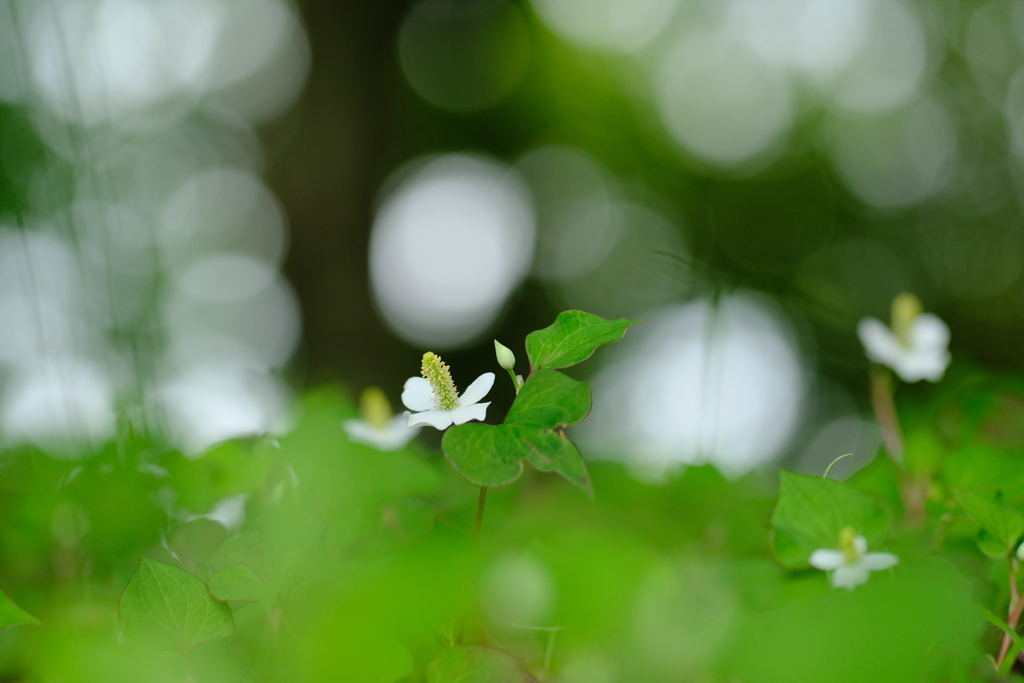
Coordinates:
[486,455]
[241,583]
[550,399]
[491,455]
[812,511]
[572,338]
[168,608]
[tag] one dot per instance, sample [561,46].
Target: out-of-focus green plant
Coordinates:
[355,561]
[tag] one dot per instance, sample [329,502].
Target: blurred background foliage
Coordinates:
[212,209]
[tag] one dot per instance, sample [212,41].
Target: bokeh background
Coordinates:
[210,206]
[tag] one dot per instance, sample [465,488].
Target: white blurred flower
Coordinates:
[377,427]
[916,346]
[851,564]
[436,400]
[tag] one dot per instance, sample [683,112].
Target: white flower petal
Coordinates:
[826,559]
[849,576]
[477,390]
[928,330]
[418,394]
[392,437]
[924,363]
[879,561]
[438,419]
[881,344]
[463,414]
[860,544]
[360,431]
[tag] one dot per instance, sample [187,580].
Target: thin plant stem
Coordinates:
[1016,605]
[479,516]
[460,622]
[885,412]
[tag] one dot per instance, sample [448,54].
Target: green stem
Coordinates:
[460,623]
[1016,604]
[479,516]
[885,412]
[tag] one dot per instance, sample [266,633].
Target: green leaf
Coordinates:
[348,485]
[572,338]
[812,511]
[11,614]
[491,455]
[554,452]
[978,467]
[486,455]
[241,583]
[227,469]
[170,609]
[550,399]
[1001,525]
[475,665]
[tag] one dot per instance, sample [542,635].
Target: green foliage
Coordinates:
[1001,525]
[549,401]
[491,455]
[240,583]
[11,614]
[812,511]
[356,564]
[475,665]
[572,338]
[167,608]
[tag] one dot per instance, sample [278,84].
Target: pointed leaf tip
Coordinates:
[573,338]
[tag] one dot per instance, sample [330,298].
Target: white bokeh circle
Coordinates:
[700,383]
[450,242]
[720,101]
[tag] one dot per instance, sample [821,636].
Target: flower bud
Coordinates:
[506,358]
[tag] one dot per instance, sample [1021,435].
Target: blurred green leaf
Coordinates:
[475,665]
[572,338]
[1001,525]
[241,583]
[812,511]
[168,608]
[491,455]
[348,485]
[919,624]
[227,469]
[978,467]
[11,614]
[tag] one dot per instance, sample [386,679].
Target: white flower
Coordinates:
[916,346]
[437,402]
[393,435]
[377,427]
[851,564]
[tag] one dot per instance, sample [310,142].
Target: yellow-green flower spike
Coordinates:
[846,544]
[905,309]
[435,371]
[374,407]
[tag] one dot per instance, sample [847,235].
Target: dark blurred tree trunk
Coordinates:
[328,157]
